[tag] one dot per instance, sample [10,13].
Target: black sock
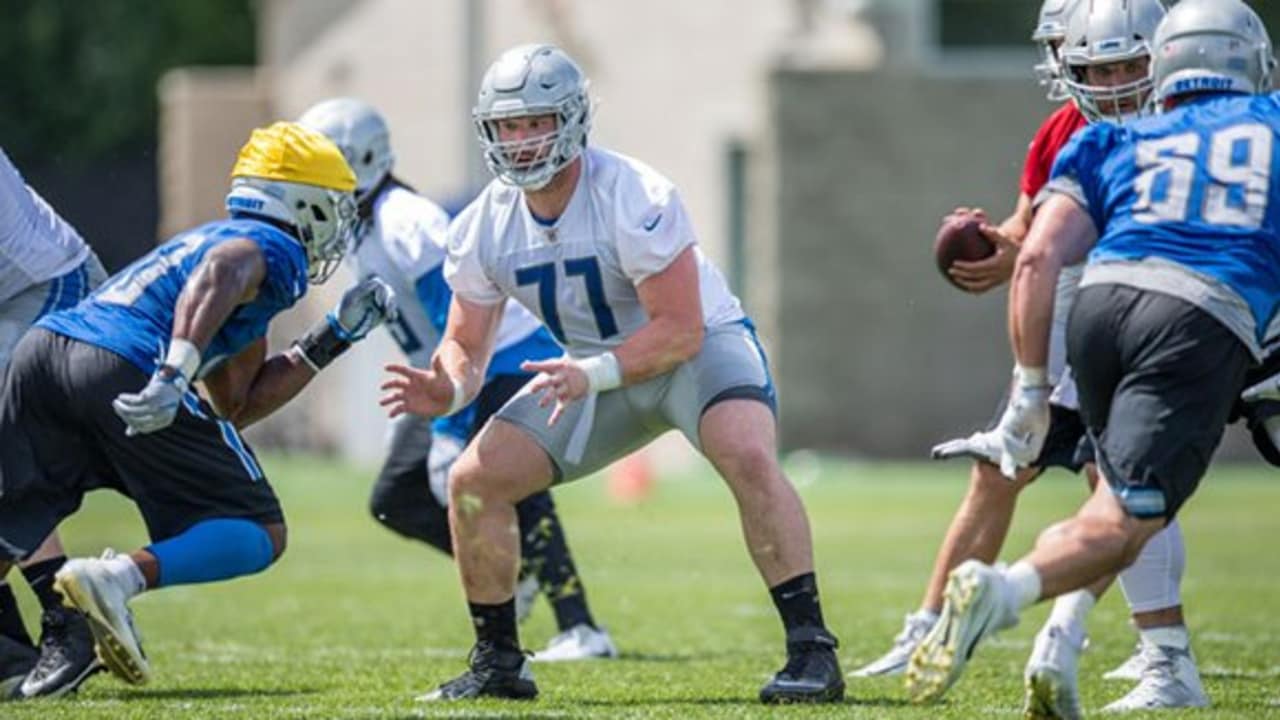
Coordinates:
[10,619]
[40,578]
[545,552]
[496,624]
[797,602]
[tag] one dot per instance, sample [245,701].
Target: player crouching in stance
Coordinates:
[79,411]
[1176,303]
[401,240]
[598,246]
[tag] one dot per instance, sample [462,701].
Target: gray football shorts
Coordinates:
[599,429]
[19,313]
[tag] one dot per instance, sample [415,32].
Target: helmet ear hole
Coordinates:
[318,214]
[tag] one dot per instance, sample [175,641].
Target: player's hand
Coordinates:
[979,276]
[560,381]
[983,446]
[155,407]
[363,307]
[1023,428]
[428,393]
[1268,389]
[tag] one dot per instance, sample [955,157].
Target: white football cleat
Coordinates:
[580,642]
[1131,669]
[1170,680]
[87,585]
[526,595]
[914,627]
[1053,689]
[976,607]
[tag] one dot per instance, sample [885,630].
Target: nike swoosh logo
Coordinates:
[650,225]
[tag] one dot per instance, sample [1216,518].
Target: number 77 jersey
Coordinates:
[1186,203]
[579,272]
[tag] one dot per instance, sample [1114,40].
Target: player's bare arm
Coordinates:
[673,335]
[457,368]
[1061,235]
[229,276]
[250,386]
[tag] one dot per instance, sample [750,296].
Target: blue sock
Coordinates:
[213,550]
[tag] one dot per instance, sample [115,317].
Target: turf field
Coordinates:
[354,622]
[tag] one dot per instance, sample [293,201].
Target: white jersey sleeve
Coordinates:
[36,244]
[652,225]
[464,268]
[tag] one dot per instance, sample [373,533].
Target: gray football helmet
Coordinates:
[1214,46]
[533,80]
[1050,32]
[360,132]
[1107,31]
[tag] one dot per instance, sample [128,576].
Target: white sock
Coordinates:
[1070,610]
[124,569]
[1175,636]
[1024,582]
[1154,580]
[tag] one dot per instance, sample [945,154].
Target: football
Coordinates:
[960,239]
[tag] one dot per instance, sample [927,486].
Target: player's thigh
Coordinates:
[1093,349]
[408,446]
[739,437]
[197,468]
[1169,411]
[590,434]
[731,366]
[46,464]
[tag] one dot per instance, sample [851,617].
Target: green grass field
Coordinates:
[354,622]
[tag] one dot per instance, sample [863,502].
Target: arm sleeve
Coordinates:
[285,279]
[1075,173]
[463,267]
[653,230]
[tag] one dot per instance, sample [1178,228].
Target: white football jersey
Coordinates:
[36,244]
[406,248]
[579,274]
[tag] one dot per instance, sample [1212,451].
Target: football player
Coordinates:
[401,239]
[44,266]
[1176,215]
[600,248]
[100,395]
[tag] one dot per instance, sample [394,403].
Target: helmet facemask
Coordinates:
[1050,33]
[531,162]
[1117,103]
[324,219]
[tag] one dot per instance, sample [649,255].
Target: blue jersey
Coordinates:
[1184,204]
[132,314]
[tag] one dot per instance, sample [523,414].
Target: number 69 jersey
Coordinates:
[579,273]
[1185,204]
[132,313]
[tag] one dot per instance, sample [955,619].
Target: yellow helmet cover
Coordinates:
[289,152]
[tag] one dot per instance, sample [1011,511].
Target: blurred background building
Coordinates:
[817,143]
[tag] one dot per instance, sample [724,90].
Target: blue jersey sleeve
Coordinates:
[1076,171]
[435,296]
[286,269]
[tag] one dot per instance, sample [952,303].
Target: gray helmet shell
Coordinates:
[1050,32]
[525,81]
[1108,31]
[360,132]
[1212,46]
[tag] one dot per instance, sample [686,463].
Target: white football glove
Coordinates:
[363,307]
[984,446]
[1023,427]
[155,407]
[1268,389]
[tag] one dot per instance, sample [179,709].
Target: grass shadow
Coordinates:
[206,693]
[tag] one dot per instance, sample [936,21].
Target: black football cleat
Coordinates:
[812,673]
[67,656]
[16,660]
[494,672]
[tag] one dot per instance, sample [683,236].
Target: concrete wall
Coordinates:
[875,353]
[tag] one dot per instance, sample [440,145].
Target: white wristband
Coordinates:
[1030,376]
[603,372]
[459,400]
[184,357]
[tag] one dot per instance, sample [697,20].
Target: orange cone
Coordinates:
[631,479]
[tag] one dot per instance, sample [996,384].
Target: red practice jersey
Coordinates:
[1056,130]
